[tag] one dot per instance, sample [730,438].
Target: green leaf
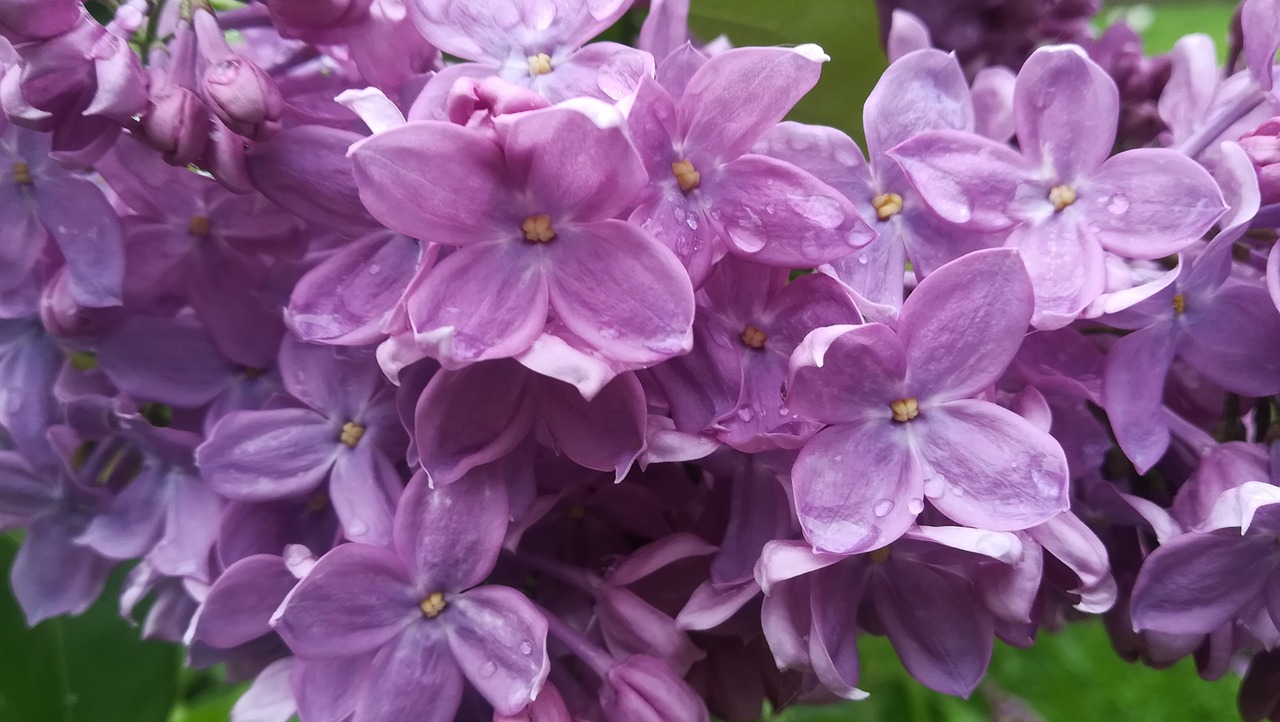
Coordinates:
[846,29]
[1162,24]
[92,668]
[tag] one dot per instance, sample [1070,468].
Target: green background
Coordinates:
[94,668]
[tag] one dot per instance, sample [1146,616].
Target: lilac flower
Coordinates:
[417,605]
[40,200]
[923,91]
[538,45]
[1063,203]
[708,194]
[905,423]
[534,223]
[346,432]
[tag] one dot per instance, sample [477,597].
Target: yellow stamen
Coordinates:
[887,205]
[577,511]
[1061,197]
[22,174]
[905,410]
[433,605]
[754,337]
[1179,304]
[686,175]
[879,556]
[539,64]
[537,229]
[351,434]
[199,226]
[318,503]
[83,360]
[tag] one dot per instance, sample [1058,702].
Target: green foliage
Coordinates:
[92,668]
[846,29]
[1161,24]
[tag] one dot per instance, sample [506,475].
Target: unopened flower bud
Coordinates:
[178,125]
[643,689]
[1263,148]
[24,20]
[242,95]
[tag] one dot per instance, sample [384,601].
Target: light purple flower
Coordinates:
[1062,201]
[905,421]
[417,605]
[534,223]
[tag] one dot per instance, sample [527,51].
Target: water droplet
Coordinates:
[956,490]
[862,259]
[935,486]
[374,269]
[488,669]
[609,334]
[692,222]
[993,545]
[745,414]
[883,507]
[915,506]
[784,411]
[526,648]
[356,528]
[1118,205]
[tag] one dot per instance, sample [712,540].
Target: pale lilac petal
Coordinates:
[774,213]
[856,486]
[51,576]
[493,29]
[337,383]
[450,536]
[907,34]
[989,468]
[1065,110]
[1273,275]
[327,690]
[436,182]
[191,526]
[269,698]
[683,225]
[1133,392]
[482,302]
[1193,81]
[603,71]
[876,275]
[1197,582]
[364,487]
[131,526]
[1150,202]
[621,292]
[356,599]
[573,164]
[87,230]
[1261,22]
[271,454]
[851,377]
[372,273]
[471,417]
[739,95]
[499,639]
[413,679]
[963,324]
[965,178]
[1066,267]
[21,239]
[630,625]
[665,28]
[925,90]
[164,360]
[938,629]
[833,643]
[993,89]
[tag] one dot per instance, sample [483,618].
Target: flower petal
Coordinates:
[850,378]
[270,454]
[364,487]
[966,179]
[500,641]
[1065,111]
[87,229]
[240,603]
[413,679]
[606,433]
[991,468]
[1066,264]
[1233,337]
[450,536]
[1133,392]
[922,91]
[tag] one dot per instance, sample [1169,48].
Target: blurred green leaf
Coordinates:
[846,29]
[92,668]
[1161,24]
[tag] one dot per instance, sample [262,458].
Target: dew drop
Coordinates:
[935,486]
[784,411]
[1118,205]
[488,669]
[526,648]
[357,528]
[883,507]
[862,259]
[993,545]
[374,269]
[915,506]
[745,414]
[956,490]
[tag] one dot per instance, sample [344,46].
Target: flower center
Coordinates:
[879,556]
[1061,197]
[887,205]
[577,511]
[537,229]
[686,175]
[199,226]
[351,434]
[539,64]
[22,173]
[1179,304]
[905,410]
[754,337]
[318,503]
[433,605]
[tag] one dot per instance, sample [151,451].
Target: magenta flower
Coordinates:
[709,194]
[906,422]
[417,605]
[1062,201]
[534,220]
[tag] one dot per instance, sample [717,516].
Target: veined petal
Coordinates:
[364,488]
[989,468]
[963,324]
[1066,267]
[270,454]
[493,29]
[240,603]
[966,179]
[1133,392]
[356,599]
[606,433]
[413,679]
[500,641]
[1261,22]
[924,90]
[856,487]
[1065,111]
[851,378]
[450,536]
[87,230]
[621,291]
[1233,337]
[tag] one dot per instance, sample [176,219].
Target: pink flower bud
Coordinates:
[242,95]
[1263,148]
[178,125]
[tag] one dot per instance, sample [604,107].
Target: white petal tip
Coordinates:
[813,52]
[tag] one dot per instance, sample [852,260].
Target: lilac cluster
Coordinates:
[566,381]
